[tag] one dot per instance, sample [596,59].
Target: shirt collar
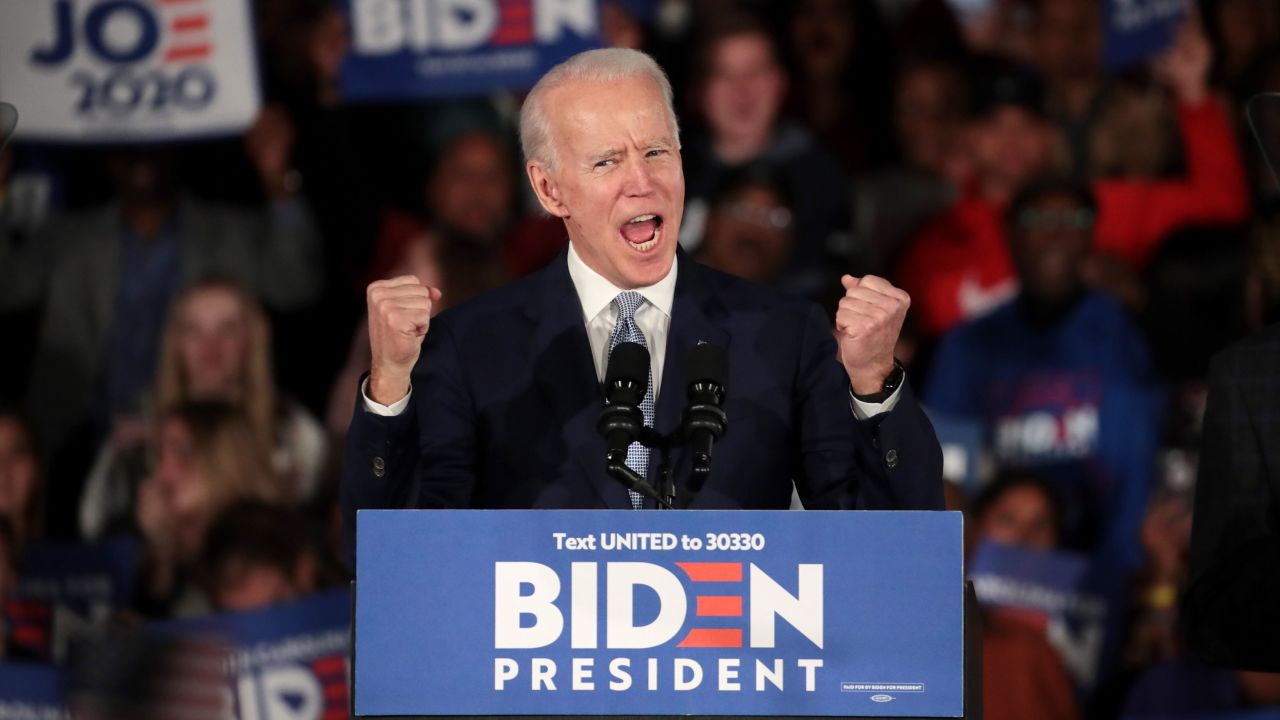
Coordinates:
[595,293]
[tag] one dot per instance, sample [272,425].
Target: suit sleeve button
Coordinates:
[891,458]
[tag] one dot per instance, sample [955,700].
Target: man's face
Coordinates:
[1069,38]
[1049,242]
[744,88]
[749,235]
[822,33]
[927,113]
[1022,516]
[1010,145]
[618,183]
[471,191]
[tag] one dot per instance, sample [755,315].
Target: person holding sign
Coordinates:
[493,404]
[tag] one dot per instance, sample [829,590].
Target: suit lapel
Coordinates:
[566,375]
[693,313]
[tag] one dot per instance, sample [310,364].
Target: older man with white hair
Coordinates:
[493,404]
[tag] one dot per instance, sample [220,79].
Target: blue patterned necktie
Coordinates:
[626,330]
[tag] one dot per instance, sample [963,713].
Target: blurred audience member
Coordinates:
[1019,509]
[257,555]
[739,89]
[1060,378]
[216,348]
[1261,123]
[624,23]
[470,204]
[1112,128]
[109,277]
[1166,536]
[1262,281]
[22,502]
[996,27]
[929,107]
[18,326]
[1168,681]
[208,457]
[749,227]
[959,267]
[1023,677]
[472,242]
[841,87]
[1242,31]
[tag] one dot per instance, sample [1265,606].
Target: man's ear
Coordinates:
[545,187]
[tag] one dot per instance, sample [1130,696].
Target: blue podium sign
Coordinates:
[480,612]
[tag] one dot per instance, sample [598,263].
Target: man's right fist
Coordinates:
[399,315]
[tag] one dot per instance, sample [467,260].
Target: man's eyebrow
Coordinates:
[660,143]
[608,154]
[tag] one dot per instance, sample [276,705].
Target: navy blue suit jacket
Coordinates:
[505,400]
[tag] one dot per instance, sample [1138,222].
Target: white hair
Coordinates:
[607,65]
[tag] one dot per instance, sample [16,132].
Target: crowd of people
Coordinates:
[183,325]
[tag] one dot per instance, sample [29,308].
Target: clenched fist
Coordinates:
[399,315]
[868,320]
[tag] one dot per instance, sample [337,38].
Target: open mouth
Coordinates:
[641,232]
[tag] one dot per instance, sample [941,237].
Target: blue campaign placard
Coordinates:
[1080,600]
[1137,30]
[403,49]
[29,690]
[285,661]
[493,612]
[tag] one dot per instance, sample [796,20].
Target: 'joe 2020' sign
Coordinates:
[128,69]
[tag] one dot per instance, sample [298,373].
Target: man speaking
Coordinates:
[494,403]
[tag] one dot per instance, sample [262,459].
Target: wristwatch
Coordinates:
[891,384]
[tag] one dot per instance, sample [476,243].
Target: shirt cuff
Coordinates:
[867,410]
[391,410]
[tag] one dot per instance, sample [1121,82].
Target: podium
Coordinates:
[617,613]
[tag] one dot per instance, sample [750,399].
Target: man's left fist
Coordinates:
[868,320]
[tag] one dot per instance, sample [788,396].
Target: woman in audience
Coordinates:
[21,481]
[1023,675]
[208,457]
[216,348]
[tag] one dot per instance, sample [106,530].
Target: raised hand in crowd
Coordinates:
[269,143]
[1184,67]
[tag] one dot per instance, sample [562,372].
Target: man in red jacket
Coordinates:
[958,266]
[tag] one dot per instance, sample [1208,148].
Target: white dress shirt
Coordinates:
[595,295]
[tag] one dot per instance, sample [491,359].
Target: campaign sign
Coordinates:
[66,590]
[430,48]
[1139,29]
[128,70]
[492,612]
[32,692]
[963,448]
[1079,602]
[286,662]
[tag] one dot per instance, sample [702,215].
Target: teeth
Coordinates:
[642,218]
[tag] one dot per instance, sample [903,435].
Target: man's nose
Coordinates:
[639,179]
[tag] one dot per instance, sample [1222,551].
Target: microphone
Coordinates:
[621,421]
[704,420]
